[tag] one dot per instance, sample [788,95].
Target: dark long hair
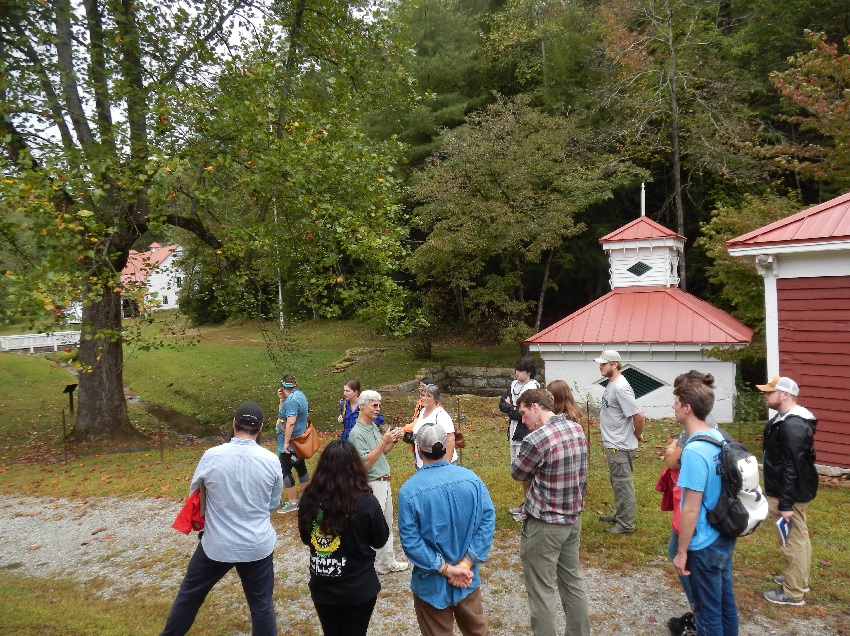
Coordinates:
[336,482]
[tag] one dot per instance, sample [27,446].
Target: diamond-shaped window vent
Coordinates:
[642,384]
[639,269]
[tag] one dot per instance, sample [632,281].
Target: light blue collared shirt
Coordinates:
[244,484]
[444,514]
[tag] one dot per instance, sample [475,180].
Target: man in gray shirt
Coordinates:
[621,424]
[372,446]
[242,484]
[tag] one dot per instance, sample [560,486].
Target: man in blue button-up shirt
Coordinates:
[243,484]
[446,521]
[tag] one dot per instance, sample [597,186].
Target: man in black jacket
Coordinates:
[790,483]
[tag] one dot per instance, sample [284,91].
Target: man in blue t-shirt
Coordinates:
[704,554]
[291,422]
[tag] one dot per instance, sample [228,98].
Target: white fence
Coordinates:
[33,341]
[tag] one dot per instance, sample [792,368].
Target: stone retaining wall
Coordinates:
[459,380]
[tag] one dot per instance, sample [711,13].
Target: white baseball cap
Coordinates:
[609,355]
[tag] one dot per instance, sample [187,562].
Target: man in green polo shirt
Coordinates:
[372,446]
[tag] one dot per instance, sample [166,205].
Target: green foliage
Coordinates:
[514,333]
[741,287]
[444,39]
[308,199]
[750,404]
[817,83]
[546,48]
[504,190]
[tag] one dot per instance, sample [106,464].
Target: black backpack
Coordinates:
[741,506]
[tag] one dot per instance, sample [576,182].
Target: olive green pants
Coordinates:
[549,555]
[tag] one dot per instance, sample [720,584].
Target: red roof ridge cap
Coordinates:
[788,220]
[662,232]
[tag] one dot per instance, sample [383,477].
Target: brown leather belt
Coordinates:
[384,478]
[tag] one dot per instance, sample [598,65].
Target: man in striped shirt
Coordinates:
[553,458]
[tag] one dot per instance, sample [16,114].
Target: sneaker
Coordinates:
[397,566]
[287,507]
[778,596]
[683,625]
[780,580]
[608,519]
[618,529]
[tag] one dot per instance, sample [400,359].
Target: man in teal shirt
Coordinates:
[372,446]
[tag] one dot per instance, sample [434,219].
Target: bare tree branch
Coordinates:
[65,59]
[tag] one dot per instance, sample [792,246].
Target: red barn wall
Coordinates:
[814,350]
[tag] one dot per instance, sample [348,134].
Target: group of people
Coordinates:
[345,515]
[446,518]
[549,456]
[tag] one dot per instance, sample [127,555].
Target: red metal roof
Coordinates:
[141,264]
[641,228]
[647,315]
[829,221]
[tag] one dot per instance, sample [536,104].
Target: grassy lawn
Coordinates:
[231,364]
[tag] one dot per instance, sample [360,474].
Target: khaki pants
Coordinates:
[469,614]
[797,549]
[384,556]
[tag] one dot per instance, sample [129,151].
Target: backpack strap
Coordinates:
[702,437]
[706,438]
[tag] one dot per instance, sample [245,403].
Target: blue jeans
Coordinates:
[711,585]
[672,548]
[203,573]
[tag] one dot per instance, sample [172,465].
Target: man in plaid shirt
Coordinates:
[553,457]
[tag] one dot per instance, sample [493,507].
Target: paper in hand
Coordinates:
[783,526]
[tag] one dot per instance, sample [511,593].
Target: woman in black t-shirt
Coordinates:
[342,523]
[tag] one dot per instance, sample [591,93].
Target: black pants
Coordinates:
[345,620]
[287,464]
[203,573]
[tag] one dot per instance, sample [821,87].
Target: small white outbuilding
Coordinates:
[659,330]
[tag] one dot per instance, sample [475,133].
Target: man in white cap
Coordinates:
[446,521]
[790,483]
[621,425]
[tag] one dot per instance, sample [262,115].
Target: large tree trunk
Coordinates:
[102,413]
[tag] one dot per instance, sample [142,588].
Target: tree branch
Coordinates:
[65,60]
[196,227]
[214,30]
[97,69]
[49,92]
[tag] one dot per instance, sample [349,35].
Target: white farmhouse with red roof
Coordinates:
[157,273]
[805,262]
[659,330]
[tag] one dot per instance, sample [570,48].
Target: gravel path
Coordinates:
[128,544]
